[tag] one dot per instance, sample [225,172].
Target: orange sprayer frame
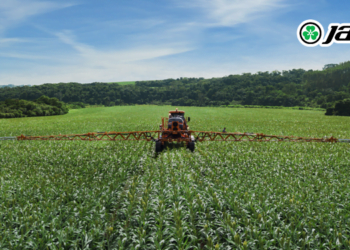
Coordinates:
[177,132]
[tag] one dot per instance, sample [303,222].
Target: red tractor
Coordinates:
[175,129]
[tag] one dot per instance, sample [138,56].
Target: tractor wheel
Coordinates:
[159,146]
[191,146]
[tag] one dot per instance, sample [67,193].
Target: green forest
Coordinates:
[43,106]
[297,87]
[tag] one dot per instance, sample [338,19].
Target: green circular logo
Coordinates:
[309,33]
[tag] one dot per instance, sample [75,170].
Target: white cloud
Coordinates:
[104,58]
[15,11]
[23,56]
[232,12]
[11,40]
[86,63]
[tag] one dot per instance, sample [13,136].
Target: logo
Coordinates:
[310,33]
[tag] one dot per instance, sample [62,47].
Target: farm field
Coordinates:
[225,195]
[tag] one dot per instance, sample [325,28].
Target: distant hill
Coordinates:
[12,86]
[124,83]
[336,78]
[288,88]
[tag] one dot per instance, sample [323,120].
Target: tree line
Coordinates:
[43,106]
[341,108]
[288,88]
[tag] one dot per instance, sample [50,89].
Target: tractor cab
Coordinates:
[176,120]
[177,114]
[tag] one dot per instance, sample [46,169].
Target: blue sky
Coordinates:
[125,40]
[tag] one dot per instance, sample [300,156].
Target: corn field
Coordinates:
[225,195]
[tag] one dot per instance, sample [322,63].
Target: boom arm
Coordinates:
[237,136]
[98,136]
[199,136]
